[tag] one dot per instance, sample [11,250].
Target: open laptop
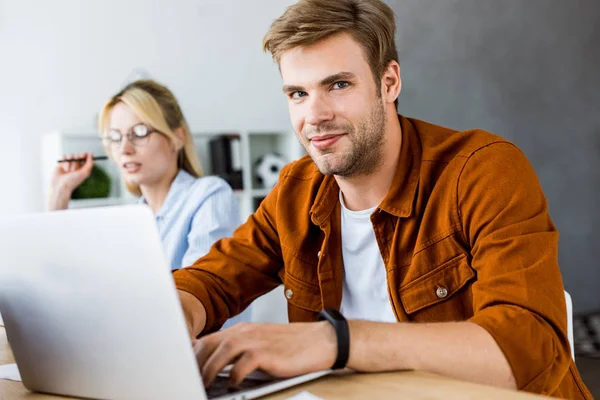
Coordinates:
[91,310]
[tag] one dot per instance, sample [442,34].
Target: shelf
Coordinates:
[260,192]
[267,133]
[252,193]
[101,202]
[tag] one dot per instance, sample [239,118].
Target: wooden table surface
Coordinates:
[393,385]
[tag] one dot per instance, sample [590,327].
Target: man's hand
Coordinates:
[281,350]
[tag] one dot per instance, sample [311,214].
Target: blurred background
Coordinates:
[526,70]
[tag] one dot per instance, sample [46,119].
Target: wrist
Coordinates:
[342,334]
[66,189]
[193,312]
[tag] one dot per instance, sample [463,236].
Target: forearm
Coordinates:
[59,200]
[194,313]
[460,350]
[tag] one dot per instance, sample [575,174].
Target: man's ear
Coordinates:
[391,82]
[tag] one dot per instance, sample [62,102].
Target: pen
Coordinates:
[95,158]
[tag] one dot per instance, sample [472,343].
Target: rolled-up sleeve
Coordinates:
[518,296]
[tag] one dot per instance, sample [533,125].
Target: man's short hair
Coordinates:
[371,23]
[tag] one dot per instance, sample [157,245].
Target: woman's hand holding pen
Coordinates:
[65,179]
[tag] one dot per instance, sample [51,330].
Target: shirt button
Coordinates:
[289,294]
[441,292]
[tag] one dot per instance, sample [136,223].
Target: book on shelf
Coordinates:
[225,155]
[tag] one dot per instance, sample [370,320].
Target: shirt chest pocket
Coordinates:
[441,295]
[303,299]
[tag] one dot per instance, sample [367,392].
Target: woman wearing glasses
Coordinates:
[143,130]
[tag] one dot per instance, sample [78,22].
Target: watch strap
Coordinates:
[342,332]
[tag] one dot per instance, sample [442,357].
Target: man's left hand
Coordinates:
[280,350]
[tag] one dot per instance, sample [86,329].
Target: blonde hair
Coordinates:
[370,22]
[157,107]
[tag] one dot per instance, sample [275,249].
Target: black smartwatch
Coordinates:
[342,333]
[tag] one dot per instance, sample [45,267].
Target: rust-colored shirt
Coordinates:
[464,233]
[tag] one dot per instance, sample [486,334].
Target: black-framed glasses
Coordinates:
[138,135]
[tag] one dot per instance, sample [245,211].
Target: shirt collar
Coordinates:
[182,181]
[399,200]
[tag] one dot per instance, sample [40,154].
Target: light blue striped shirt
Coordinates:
[196,213]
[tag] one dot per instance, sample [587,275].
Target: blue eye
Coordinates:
[297,95]
[341,85]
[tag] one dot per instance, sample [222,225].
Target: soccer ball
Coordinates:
[267,169]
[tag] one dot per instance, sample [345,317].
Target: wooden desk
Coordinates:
[394,385]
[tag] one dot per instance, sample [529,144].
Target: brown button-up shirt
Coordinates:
[464,233]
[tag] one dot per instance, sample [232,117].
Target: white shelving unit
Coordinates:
[252,146]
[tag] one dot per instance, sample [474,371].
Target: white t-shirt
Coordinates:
[364,293]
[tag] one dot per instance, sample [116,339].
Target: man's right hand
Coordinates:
[67,176]
[194,313]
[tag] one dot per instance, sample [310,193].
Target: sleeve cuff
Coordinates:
[538,369]
[186,282]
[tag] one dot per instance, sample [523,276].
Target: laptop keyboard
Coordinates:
[220,386]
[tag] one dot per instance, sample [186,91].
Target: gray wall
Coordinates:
[527,70]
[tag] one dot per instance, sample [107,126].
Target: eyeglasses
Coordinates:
[138,135]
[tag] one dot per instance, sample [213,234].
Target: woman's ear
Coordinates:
[181,136]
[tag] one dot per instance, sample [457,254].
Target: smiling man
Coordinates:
[420,247]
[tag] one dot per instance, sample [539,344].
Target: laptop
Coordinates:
[91,310]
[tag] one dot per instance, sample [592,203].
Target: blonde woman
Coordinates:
[145,133]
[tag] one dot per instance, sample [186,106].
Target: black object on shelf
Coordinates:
[225,159]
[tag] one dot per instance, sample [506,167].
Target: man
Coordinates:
[389,220]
